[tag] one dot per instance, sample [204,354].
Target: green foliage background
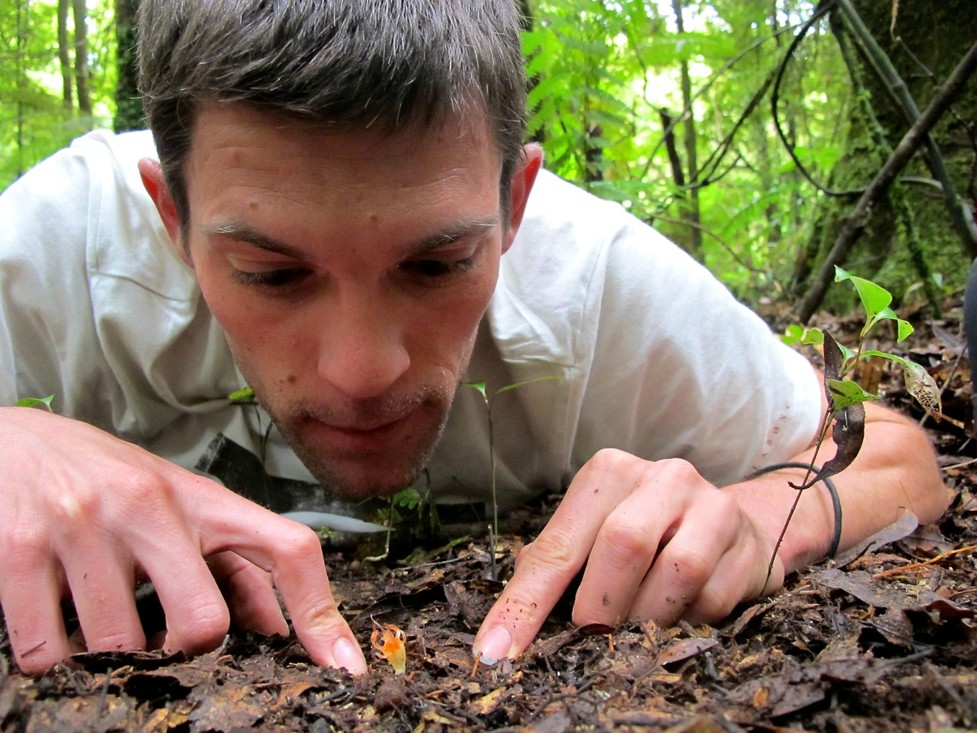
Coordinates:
[34,121]
[603,71]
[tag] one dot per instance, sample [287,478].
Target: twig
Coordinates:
[926,563]
[960,465]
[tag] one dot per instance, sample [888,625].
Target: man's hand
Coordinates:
[658,541]
[88,515]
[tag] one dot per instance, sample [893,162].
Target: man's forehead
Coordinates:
[468,123]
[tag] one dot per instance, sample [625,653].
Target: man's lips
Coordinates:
[357,437]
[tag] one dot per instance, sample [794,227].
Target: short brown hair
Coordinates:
[387,63]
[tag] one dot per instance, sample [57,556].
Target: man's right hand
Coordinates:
[86,515]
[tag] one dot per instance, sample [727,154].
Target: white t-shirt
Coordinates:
[647,351]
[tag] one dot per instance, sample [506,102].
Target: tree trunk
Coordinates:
[924,41]
[128,106]
[81,58]
[691,212]
[64,57]
[21,52]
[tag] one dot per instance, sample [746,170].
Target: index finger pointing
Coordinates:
[300,575]
[553,560]
[543,573]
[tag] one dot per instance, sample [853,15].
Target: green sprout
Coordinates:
[489,400]
[44,402]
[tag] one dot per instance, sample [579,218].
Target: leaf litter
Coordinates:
[883,638]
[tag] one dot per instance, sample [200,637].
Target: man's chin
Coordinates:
[356,480]
[360,488]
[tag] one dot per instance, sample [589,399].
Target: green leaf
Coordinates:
[905,330]
[885,355]
[480,387]
[874,297]
[845,393]
[517,385]
[242,395]
[44,402]
[409,498]
[887,314]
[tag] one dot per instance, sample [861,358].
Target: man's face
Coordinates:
[350,271]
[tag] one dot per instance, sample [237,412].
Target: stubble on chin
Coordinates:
[348,478]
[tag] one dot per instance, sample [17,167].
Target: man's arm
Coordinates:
[659,542]
[88,515]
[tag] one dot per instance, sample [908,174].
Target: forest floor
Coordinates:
[882,639]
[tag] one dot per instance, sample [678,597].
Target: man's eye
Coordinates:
[434,269]
[270,278]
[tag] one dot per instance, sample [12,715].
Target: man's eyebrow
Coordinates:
[449,235]
[253,237]
[456,233]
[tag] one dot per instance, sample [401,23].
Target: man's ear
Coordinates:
[528,165]
[152,179]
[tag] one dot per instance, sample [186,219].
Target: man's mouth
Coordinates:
[363,436]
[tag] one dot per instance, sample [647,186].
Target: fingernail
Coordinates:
[348,656]
[493,646]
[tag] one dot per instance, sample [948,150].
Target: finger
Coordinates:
[740,575]
[292,554]
[710,549]
[197,618]
[30,595]
[551,562]
[249,593]
[622,556]
[103,592]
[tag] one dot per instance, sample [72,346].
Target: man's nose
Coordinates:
[362,351]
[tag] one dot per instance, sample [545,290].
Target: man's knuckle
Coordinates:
[205,625]
[297,543]
[554,547]
[678,471]
[692,568]
[145,488]
[627,540]
[710,606]
[609,460]
[24,547]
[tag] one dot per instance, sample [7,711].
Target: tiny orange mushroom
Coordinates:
[391,644]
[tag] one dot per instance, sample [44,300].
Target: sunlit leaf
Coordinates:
[845,393]
[517,385]
[797,334]
[44,402]
[885,355]
[242,395]
[874,297]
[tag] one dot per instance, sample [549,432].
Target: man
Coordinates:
[336,187]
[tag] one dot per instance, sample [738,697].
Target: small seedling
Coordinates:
[246,397]
[407,505]
[846,398]
[44,402]
[481,388]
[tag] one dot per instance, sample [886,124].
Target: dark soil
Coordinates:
[883,639]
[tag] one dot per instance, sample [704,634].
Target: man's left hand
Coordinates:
[658,542]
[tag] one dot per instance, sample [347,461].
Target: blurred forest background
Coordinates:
[755,133]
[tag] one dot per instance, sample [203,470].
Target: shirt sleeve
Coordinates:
[95,307]
[48,344]
[681,369]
